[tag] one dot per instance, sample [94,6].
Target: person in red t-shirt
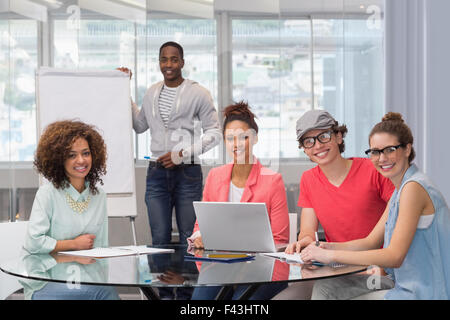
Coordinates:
[346,195]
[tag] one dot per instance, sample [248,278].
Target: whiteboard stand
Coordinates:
[123,205]
[100,98]
[133,227]
[133,230]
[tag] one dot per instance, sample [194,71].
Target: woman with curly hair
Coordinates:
[69,213]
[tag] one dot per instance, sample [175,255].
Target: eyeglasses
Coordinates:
[309,142]
[375,153]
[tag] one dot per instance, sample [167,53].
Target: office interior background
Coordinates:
[356,59]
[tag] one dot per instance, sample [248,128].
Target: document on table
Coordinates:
[116,251]
[295,258]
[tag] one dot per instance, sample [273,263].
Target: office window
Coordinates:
[284,68]
[272,71]
[100,44]
[349,77]
[97,44]
[18,62]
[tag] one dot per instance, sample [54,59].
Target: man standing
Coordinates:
[175,110]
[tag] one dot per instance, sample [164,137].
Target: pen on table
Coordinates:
[317,240]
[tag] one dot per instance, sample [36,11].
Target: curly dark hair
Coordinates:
[54,147]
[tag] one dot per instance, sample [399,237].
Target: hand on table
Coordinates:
[317,253]
[198,243]
[296,247]
[84,242]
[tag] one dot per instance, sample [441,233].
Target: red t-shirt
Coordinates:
[352,210]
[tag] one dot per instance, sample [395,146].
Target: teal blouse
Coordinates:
[53,219]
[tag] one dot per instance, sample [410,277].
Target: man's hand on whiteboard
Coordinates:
[125,70]
[170,159]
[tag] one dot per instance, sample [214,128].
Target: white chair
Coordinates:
[293,225]
[12,235]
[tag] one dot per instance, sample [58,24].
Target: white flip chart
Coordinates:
[100,98]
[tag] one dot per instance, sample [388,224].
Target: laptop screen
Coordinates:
[235,226]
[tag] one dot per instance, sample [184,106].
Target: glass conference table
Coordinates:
[149,272]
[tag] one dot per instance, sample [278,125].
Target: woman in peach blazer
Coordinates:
[245,180]
[263,185]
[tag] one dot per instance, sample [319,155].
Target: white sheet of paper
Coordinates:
[116,251]
[284,256]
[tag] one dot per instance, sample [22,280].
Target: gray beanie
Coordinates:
[312,120]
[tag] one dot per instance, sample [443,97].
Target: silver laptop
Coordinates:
[236,226]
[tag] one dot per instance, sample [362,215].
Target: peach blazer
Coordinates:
[263,185]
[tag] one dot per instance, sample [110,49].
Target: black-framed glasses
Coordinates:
[375,153]
[309,142]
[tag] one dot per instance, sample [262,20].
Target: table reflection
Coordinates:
[60,276]
[71,273]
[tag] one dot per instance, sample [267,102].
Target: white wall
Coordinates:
[438,74]
[417,77]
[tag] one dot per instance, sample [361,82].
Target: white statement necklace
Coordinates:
[78,206]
